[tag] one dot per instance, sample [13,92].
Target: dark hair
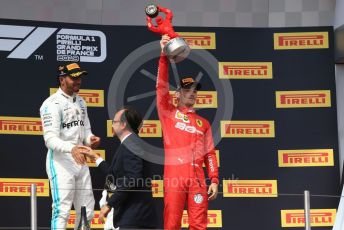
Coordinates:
[132,117]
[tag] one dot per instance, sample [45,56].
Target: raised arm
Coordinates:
[151,26]
[164,100]
[168,13]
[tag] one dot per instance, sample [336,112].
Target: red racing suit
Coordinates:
[188,143]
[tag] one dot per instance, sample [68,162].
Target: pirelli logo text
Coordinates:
[150,128]
[205,99]
[22,187]
[301,40]
[319,218]
[95,223]
[303,99]
[92,162]
[305,158]
[248,129]
[214,219]
[249,188]
[93,98]
[245,70]
[199,40]
[157,188]
[21,125]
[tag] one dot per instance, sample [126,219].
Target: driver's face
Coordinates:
[187,97]
[70,85]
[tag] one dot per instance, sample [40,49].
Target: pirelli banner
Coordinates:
[268,93]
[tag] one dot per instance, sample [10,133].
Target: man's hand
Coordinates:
[77,153]
[104,211]
[90,154]
[164,39]
[213,190]
[95,142]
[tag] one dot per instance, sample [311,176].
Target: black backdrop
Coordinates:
[124,68]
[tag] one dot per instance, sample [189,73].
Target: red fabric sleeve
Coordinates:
[168,12]
[164,100]
[210,157]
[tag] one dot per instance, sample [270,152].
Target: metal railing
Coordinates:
[33,207]
[33,196]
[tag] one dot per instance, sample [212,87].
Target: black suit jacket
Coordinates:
[131,172]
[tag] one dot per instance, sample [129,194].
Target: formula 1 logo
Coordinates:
[71,44]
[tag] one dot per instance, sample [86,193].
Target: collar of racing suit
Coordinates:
[70,98]
[185,109]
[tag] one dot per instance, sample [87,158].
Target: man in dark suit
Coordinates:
[132,198]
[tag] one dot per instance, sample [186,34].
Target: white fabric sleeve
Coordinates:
[103,199]
[99,160]
[87,132]
[51,122]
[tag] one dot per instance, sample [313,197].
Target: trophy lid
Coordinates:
[152,10]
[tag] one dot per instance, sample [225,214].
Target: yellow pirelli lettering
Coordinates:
[250,188]
[301,40]
[21,125]
[245,70]
[149,128]
[95,223]
[248,129]
[318,217]
[199,40]
[303,99]
[157,188]
[22,187]
[214,219]
[305,158]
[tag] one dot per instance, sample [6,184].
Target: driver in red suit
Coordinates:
[188,143]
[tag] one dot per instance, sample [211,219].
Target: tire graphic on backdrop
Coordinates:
[133,62]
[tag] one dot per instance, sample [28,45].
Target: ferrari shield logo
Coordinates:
[199,122]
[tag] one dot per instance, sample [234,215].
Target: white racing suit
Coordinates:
[65,124]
